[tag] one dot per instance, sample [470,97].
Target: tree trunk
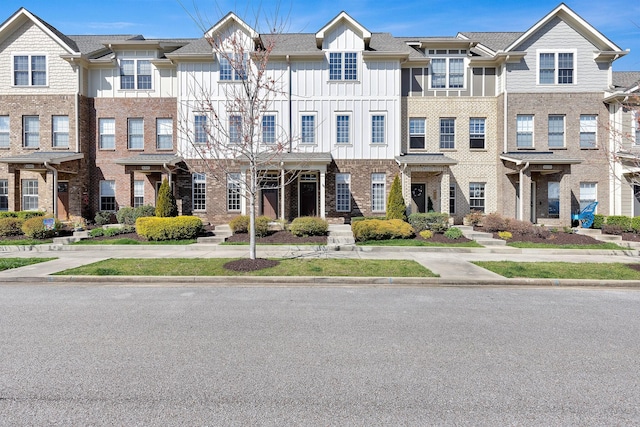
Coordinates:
[252,213]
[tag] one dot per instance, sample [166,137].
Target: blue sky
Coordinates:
[619,20]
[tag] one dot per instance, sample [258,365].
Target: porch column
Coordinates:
[444,191]
[323,173]
[282,188]
[565,200]
[406,188]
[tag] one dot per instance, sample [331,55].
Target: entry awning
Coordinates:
[298,159]
[42,157]
[539,158]
[150,160]
[431,159]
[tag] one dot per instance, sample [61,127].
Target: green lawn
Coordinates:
[530,245]
[561,270]
[24,242]
[414,242]
[7,263]
[287,267]
[128,241]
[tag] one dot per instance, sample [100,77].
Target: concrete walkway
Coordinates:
[453,265]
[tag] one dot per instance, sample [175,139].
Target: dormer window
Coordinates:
[343,66]
[135,74]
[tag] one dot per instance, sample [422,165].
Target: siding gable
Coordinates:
[343,37]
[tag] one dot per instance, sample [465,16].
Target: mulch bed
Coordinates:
[441,238]
[557,238]
[279,238]
[246,264]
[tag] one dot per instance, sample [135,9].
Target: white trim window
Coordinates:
[4,194]
[164,134]
[269,129]
[556,131]
[233,192]
[553,199]
[235,129]
[447,73]
[417,133]
[343,128]
[308,128]
[452,199]
[135,134]
[378,129]
[108,195]
[524,131]
[199,191]
[477,133]
[138,193]
[447,133]
[588,193]
[29,194]
[476,196]
[200,129]
[5,139]
[135,74]
[343,192]
[60,131]
[29,70]
[556,68]
[588,130]
[31,131]
[378,192]
[343,70]
[107,131]
[233,67]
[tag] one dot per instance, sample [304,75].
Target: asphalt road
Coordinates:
[127,355]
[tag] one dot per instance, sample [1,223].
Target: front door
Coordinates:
[63,200]
[418,196]
[308,199]
[270,202]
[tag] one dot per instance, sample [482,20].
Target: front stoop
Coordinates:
[483,238]
[221,233]
[597,234]
[340,237]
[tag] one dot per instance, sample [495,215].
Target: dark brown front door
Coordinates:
[308,199]
[270,202]
[418,196]
[63,200]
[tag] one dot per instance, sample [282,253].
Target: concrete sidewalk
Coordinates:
[453,265]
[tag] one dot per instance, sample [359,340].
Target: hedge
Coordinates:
[34,228]
[621,221]
[11,226]
[24,215]
[435,221]
[373,229]
[309,226]
[168,228]
[129,215]
[240,225]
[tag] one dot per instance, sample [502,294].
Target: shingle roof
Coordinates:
[426,159]
[62,37]
[626,79]
[538,157]
[495,41]
[150,159]
[41,157]
[92,44]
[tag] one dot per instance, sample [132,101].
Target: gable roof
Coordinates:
[343,16]
[229,19]
[626,79]
[495,41]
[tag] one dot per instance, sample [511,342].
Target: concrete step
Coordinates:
[491,242]
[340,233]
[331,240]
[475,235]
[212,239]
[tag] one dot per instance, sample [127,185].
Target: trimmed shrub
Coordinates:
[635,224]
[374,229]
[309,226]
[362,218]
[10,226]
[495,222]
[426,234]
[516,226]
[505,235]
[103,217]
[453,233]
[129,215]
[621,221]
[34,228]
[598,221]
[474,218]
[613,229]
[23,215]
[171,228]
[240,224]
[166,205]
[396,208]
[96,232]
[435,221]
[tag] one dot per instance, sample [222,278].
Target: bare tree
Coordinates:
[235,130]
[624,149]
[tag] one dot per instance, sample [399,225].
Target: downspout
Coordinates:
[290,108]
[165,167]
[505,107]
[55,188]
[521,189]
[77,101]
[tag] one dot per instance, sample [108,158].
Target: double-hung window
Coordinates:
[233,192]
[30,70]
[416,133]
[5,140]
[377,129]
[31,131]
[524,131]
[138,193]
[135,74]
[343,192]
[60,131]
[476,133]
[476,196]
[233,67]
[268,129]
[200,130]
[136,134]
[343,70]
[588,193]
[235,129]
[447,73]
[29,194]
[343,129]
[107,129]
[199,190]
[447,134]
[107,195]
[452,199]
[164,134]
[556,68]
[378,192]
[4,194]
[588,128]
[308,129]
[556,131]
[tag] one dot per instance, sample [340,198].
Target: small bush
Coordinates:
[598,221]
[505,235]
[309,226]
[621,221]
[362,218]
[396,208]
[374,229]
[495,222]
[166,205]
[103,217]
[516,226]
[635,224]
[613,229]
[453,233]
[10,226]
[129,215]
[434,221]
[23,215]
[96,232]
[474,218]
[169,228]
[240,224]
[426,234]
[34,228]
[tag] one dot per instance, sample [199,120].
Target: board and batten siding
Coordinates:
[557,35]
[342,37]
